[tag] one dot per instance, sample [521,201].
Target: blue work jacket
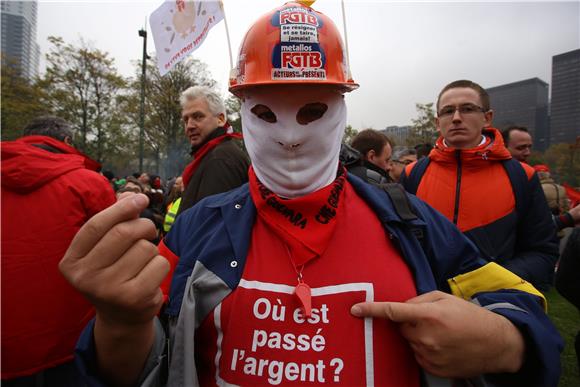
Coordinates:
[212,241]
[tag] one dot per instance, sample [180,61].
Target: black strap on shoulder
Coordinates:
[403,208]
[374,177]
[412,181]
[559,208]
[400,201]
[519,181]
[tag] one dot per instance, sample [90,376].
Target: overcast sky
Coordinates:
[400,52]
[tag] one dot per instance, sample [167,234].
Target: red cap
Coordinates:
[541,168]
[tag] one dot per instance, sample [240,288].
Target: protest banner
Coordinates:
[179,27]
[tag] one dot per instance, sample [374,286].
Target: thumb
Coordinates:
[394,311]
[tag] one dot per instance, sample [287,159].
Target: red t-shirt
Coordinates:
[258,334]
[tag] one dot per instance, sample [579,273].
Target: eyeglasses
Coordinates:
[404,162]
[468,108]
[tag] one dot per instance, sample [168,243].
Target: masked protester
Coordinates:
[268,280]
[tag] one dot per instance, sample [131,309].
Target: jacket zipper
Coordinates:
[457,187]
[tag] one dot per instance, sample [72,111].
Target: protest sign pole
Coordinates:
[143,34]
[227,35]
[345,36]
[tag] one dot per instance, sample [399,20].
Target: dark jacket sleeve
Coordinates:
[568,274]
[449,253]
[537,243]
[543,342]
[224,169]
[222,175]
[87,365]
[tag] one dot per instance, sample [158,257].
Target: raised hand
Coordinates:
[112,263]
[451,337]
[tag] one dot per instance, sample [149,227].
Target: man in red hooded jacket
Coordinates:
[471,178]
[49,190]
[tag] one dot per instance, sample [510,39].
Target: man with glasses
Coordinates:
[472,179]
[402,157]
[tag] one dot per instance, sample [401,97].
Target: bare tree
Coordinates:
[82,85]
[164,137]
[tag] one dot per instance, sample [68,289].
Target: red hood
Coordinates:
[492,149]
[26,167]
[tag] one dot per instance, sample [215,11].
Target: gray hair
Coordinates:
[214,101]
[50,126]
[400,152]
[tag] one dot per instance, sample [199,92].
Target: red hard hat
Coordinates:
[293,44]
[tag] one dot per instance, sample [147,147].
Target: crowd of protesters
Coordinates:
[46,144]
[164,196]
[178,275]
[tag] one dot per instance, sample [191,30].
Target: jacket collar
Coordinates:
[220,130]
[380,171]
[237,204]
[491,149]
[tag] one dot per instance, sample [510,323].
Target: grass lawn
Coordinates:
[567,320]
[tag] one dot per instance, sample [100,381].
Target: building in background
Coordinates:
[523,103]
[565,102]
[19,36]
[398,134]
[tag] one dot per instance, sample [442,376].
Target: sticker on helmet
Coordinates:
[298,15]
[300,59]
[296,61]
[298,74]
[298,33]
[298,55]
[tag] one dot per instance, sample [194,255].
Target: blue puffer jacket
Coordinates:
[215,233]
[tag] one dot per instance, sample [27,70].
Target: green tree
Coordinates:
[564,162]
[163,135]
[349,133]
[233,107]
[82,85]
[21,101]
[536,158]
[424,129]
[121,139]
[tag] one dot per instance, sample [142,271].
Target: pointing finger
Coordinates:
[394,311]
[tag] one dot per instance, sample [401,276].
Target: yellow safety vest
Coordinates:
[170,216]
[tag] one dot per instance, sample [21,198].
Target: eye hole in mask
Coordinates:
[311,112]
[263,112]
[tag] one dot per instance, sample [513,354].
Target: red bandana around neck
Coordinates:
[305,224]
[201,152]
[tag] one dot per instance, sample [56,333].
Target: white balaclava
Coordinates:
[293,147]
